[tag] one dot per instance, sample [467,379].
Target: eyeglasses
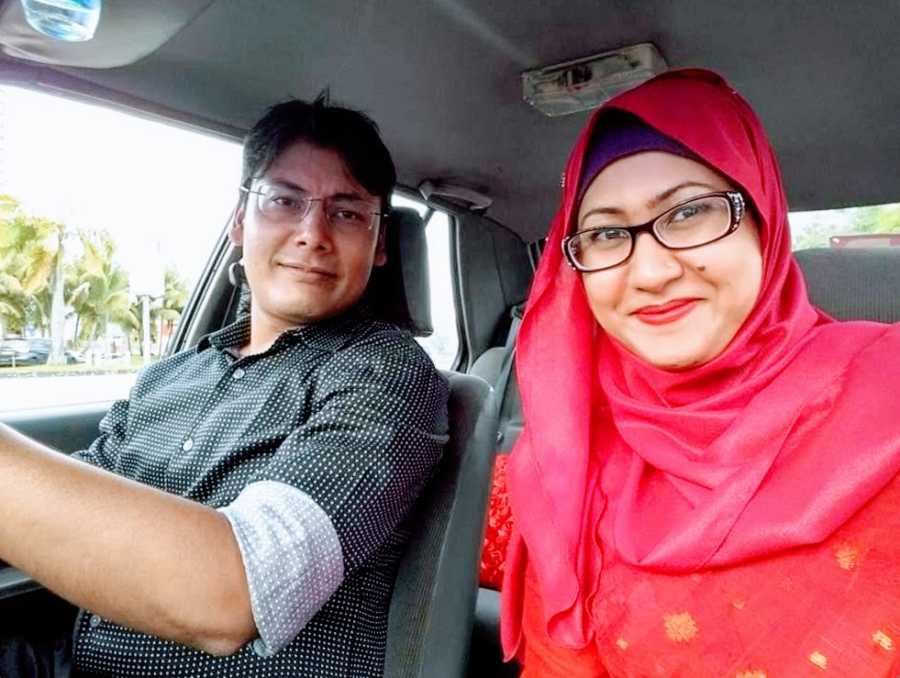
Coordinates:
[693,223]
[282,205]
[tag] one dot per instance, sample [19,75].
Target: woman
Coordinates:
[711,490]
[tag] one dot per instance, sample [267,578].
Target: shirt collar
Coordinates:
[330,334]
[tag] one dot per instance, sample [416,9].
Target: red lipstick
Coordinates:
[663,314]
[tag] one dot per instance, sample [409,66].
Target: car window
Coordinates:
[870,226]
[106,222]
[443,344]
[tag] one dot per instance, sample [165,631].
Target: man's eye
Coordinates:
[285,201]
[348,216]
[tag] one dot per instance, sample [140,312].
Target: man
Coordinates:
[242,513]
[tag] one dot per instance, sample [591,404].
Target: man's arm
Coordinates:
[135,555]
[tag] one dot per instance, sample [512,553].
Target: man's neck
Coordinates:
[264,330]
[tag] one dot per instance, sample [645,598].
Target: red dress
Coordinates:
[827,610]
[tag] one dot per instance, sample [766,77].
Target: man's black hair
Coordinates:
[351,134]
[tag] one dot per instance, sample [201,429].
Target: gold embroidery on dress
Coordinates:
[680,627]
[819,659]
[847,555]
[883,639]
[622,643]
[757,673]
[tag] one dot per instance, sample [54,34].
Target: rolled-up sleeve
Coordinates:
[340,484]
[291,555]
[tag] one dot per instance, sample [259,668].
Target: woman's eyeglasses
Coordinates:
[693,223]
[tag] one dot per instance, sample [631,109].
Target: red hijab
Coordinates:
[773,444]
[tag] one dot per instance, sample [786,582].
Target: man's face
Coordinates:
[306,270]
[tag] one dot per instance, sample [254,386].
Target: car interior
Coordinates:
[443,80]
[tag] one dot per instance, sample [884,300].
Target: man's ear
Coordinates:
[236,232]
[380,246]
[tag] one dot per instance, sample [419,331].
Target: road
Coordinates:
[27,392]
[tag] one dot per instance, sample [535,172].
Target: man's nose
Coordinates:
[313,230]
[653,266]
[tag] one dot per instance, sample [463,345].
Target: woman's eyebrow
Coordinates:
[668,193]
[653,202]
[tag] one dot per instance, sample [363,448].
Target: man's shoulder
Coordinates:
[380,352]
[384,341]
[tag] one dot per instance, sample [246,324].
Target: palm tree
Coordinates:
[32,266]
[166,316]
[99,289]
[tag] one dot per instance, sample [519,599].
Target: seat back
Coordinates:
[496,367]
[854,284]
[433,603]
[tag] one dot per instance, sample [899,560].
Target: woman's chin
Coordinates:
[673,361]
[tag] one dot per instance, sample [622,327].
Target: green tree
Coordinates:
[32,273]
[166,316]
[99,293]
[879,219]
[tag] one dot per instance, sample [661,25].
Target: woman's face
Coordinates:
[675,309]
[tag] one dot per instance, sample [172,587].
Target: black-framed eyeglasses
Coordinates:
[693,223]
[285,206]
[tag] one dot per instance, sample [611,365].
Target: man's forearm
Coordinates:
[135,555]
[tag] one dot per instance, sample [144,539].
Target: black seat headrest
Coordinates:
[854,283]
[399,291]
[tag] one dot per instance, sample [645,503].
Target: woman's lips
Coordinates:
[665,313]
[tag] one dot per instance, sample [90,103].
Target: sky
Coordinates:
[162,192]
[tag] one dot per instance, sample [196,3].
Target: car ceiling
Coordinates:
[443,79]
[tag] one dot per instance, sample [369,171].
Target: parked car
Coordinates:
[444,82]
[17,352]
[31,351]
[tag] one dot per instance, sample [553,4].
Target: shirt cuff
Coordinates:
[292,557]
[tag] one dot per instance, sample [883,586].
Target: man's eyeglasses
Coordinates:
[693,223]
[284,206]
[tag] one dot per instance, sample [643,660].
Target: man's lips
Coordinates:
[660,314]
[307,271]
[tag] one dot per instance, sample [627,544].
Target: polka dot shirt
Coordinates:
[316,451]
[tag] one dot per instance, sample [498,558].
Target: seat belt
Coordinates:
[506,367]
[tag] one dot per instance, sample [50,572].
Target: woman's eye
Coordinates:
[610,234]
[604,236]
[687,212]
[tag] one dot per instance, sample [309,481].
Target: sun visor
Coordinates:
[128,31]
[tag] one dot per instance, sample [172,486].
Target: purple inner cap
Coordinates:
[618,135]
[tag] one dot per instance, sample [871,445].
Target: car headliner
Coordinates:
[442,79]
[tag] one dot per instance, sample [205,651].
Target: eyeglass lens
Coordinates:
[690,224]
[284,205]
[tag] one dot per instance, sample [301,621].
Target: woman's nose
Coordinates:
[652,266]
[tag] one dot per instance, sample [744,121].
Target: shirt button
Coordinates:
[188,445]
[260,649]
[238,374]
[95,620]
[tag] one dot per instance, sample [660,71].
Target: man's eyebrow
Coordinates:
[345,195]
[654,201]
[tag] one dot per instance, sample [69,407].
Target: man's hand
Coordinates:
[132,554]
